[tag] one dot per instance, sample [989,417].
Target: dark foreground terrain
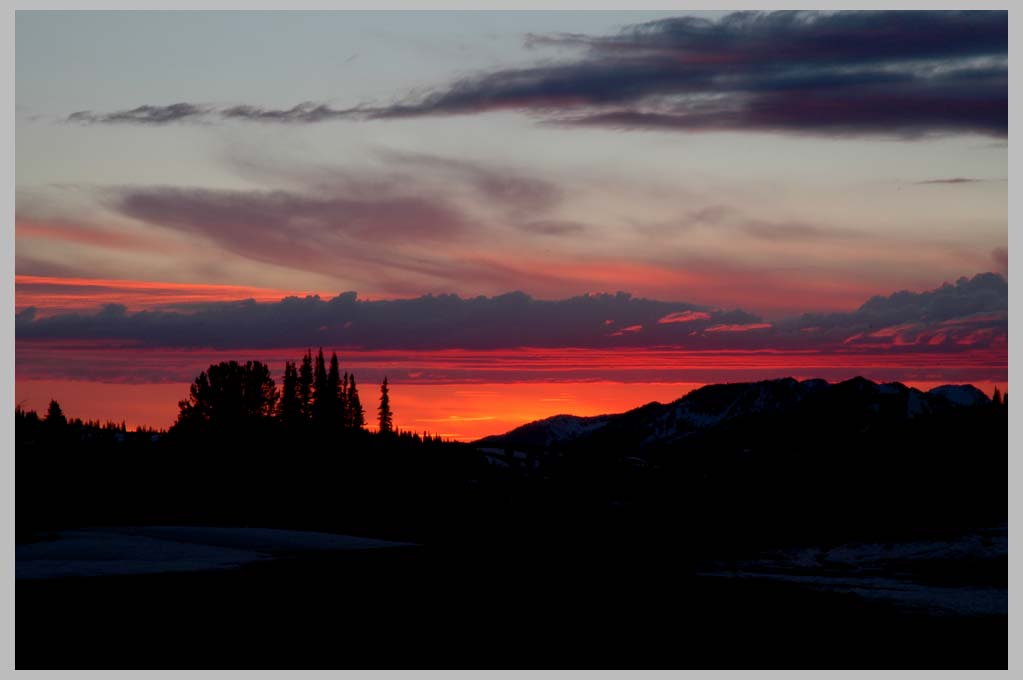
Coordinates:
[772,524]
[421,607]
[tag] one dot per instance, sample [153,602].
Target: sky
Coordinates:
[582,211]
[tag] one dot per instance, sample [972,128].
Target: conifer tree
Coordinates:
[356,414]
[54,414]
[346,414]
[332,394]
[996,398]
[291,403]
[321,401]
[305,385]
[384,411]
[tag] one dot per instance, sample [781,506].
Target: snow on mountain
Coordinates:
[542,433]
[714,405]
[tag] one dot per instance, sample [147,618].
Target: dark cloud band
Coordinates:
[971,314]
[883,73]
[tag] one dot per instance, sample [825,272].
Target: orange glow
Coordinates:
[465,394]
[124,362]
[60,230]
[454,411]
[154,405]
[51,294]
[459,412]
[469,412]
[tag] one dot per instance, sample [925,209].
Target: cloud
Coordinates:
[553,227]
[426,322]
[305,112]
[951,180]
[885,73]
[382,227]
[950,313]
[68,231]
[147,114]
[515,191]
[971,314]
[237,215]
[56,294]
[688,316]
[736,327]
[835,73]
[311,232]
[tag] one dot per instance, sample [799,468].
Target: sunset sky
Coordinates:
[509,214]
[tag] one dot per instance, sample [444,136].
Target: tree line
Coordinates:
[313,394]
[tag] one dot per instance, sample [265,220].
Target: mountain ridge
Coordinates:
[711,406]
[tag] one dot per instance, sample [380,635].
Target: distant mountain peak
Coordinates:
[857,399]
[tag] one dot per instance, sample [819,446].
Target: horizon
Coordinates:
[821,207]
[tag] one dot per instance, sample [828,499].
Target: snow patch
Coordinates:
[163,549]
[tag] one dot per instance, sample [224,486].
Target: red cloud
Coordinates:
[736,327]
[684,317]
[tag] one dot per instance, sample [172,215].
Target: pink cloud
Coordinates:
[687,316]
[628,329]
[736,327]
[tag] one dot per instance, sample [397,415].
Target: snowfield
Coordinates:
[889,571]
[162,549]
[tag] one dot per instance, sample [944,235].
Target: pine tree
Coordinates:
[386,416]
[346,415]
[356,414]
[291,401]
[305,385]
[332,394]
[54,414]
[321,401]
[996,398]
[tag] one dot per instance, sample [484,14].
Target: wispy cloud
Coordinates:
[884,73]
[147,114]
[952,180]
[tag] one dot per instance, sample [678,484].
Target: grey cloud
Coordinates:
[305,112]
[147,114]
[510,189]
[951,180]
[970,314]
[426,322]
[835,73]
[883,73]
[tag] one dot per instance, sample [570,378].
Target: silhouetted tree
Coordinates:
[54,415]
[305,385]
[356,414]
[332,394]
[321,396]
[996,398]
[291,401]
[229,395]
[343,399]
[384,411]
